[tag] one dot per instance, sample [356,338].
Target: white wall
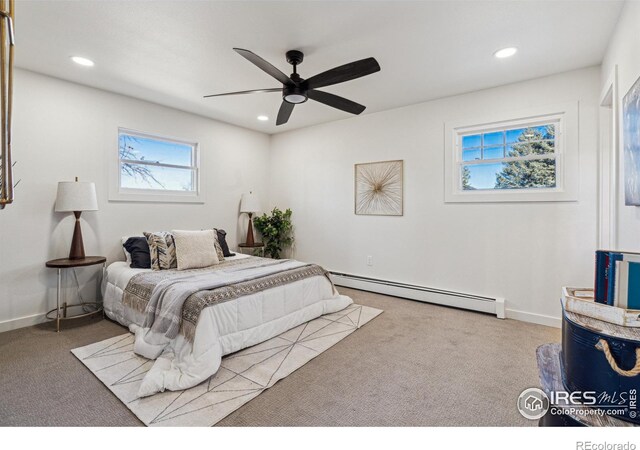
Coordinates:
[62,130]
[624,52]
[524,252]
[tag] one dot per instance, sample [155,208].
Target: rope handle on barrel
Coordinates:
[603,346]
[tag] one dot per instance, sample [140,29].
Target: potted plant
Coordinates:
[276,230]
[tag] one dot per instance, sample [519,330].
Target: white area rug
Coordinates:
[242,376]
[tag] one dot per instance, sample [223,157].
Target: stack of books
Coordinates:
[617,281]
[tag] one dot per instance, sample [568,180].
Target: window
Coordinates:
[155,168]
[513,160]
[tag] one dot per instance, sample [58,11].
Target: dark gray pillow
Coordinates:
[139,250]
[222,240]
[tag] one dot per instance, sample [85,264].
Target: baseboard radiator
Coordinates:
[489,305]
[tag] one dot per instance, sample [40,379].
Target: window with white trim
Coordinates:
[152,167]
[525,159]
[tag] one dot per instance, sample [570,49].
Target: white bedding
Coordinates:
[222,328]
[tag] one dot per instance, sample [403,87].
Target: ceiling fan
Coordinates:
[296,90]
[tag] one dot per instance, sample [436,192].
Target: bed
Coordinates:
[245,300]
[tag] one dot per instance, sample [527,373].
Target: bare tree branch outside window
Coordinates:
[127,151]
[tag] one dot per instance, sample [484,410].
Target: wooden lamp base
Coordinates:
[249,240]
[77,246]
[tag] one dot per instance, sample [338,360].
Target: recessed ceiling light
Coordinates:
[505,52]
[82,61]
[263,118]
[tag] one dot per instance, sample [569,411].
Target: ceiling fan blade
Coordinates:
[343,73]
[336,101]
[264,65]
[284,113]
[245,92]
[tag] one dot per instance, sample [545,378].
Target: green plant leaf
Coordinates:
[276,230]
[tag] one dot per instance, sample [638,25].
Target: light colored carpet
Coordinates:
[416,365]
[242,375]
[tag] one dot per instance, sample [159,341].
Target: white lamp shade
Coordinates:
[76,196]
[249,203]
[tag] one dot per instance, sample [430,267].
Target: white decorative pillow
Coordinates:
[195,249]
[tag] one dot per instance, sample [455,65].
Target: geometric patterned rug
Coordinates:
[242,375]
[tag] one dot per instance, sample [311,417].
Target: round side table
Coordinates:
[61,310]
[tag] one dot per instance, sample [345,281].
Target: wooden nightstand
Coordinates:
[66,263]
[253,247]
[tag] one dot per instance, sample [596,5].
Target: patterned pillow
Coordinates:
[219,250]
[162,249]
[222,240]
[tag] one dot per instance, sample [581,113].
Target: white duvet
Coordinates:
[222,328]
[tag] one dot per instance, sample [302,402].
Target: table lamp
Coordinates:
[76,196]
[249,204]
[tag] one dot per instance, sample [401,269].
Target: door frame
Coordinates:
[608,163]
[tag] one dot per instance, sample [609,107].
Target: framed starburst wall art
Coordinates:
[378,188]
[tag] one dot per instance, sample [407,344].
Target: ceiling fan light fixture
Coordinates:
[294,94]
[295,98]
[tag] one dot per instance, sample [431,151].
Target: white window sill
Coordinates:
[512,195]
[160,197]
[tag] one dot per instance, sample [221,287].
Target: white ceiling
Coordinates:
[174,52]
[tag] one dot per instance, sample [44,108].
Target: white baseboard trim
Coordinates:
[423,293]
[497,308]
[539,319]
[21,322]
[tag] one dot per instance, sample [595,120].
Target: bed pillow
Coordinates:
[127,255]
[219,251]
[195,249]
[222,239]
[162,249]
[138,249]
